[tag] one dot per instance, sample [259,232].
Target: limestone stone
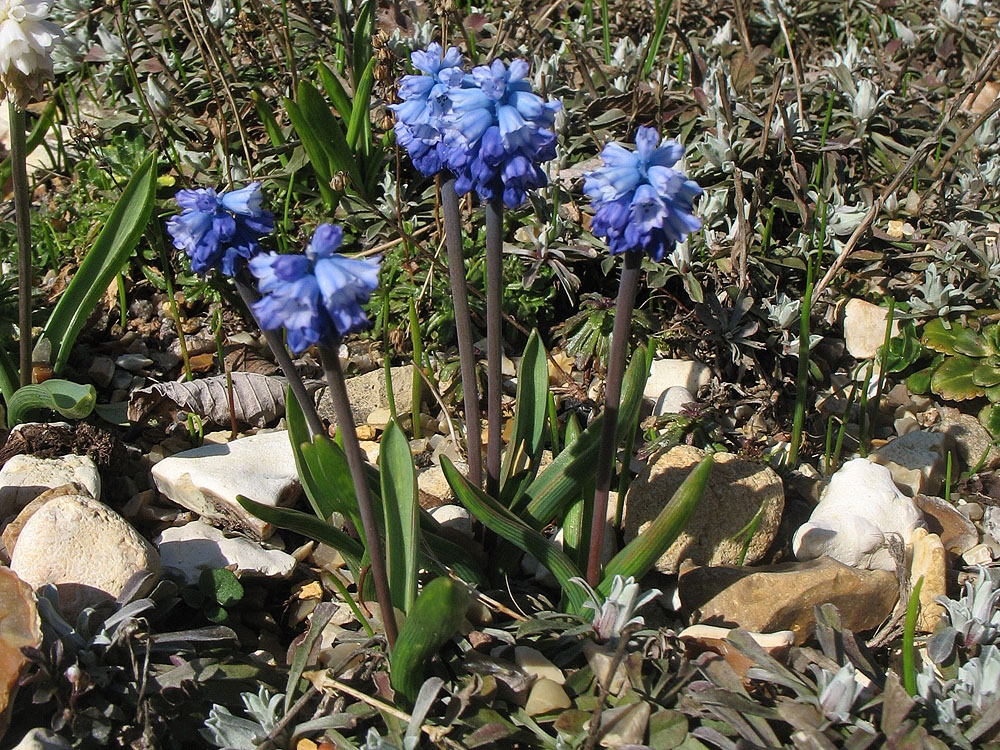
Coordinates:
[42,739]
[713,638]
[672,400]
[431,480]
[957,532]
[736,491]
[453,516]
[23,478]
[665,373]
[981,554]
[928,562]
[83,547]
[197,546]
[13,529]
[783,596]
[970,439]
[861,505]
[367,393]
[627,724]
[864,328]
[533,662]
[208,479]
[546,696]
[916,460]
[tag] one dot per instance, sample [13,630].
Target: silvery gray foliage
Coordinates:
[225,730]
[617,612]
[974,619]
[838,691]
[959,702]
[937,297]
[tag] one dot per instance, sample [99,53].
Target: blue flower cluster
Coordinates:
[643,203]
[217,229]
[315,294]
[487,127]
[425,99]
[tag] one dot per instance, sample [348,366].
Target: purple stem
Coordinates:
[494,342]
[352,450]
[612,398]
[247,290]
[463,327]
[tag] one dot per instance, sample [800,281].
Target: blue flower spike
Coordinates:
[425,99]
[643,203]
[498,132]
[316,294]
[217,230]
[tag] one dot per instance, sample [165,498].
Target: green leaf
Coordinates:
[360,124]
[953,379]
[323,126]
[71,400]
[501,521]
[107,257]
[904,349]
[642,552]
[402,513]
[551,492]
[335,90]
[989,415]
[955,340]
[529,421]
[307,525]
[316,150]
[298,434]
[221,585]
[986,375]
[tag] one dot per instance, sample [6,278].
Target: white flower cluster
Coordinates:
[26,41]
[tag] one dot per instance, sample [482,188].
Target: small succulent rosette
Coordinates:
[643,202]
[220,230]
[317,295]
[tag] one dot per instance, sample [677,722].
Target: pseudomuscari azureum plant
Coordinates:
[644,206]
[492,133]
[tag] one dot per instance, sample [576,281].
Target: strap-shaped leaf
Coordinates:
[552,490]
[315,149]
[335,90]
[401,511]
[525,446]
[71,400]
[298,435]
[642,552]
[108,255]
[359,131]
[307,525]
[325,128]
[501,521]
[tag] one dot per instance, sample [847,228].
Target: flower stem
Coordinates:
[494,341]
[463,327]
[247,290]
[352,450]
[22,203]
[612,397]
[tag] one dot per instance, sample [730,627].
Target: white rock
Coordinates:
[83,547]
[196,546]
[864,328]
[208,479]
[981,554]
[454,517]
[23,478]
[431,480]
[42,739]
[665,373]
[859,507]
[672,400]
[916,460]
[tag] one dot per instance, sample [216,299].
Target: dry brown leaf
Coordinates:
[257,399]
